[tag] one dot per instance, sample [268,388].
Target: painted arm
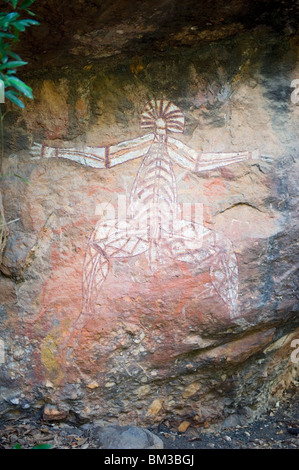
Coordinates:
[203,161]
[98,157]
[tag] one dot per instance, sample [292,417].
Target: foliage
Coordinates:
[39,446]
[12,24]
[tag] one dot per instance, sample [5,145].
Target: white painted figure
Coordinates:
[154,225]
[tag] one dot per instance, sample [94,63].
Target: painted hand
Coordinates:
[36,150]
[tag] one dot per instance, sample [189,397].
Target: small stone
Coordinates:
[191,390]
[126,437]
[143,390]
[183,426]
[227,438]
[52,413]
[155,407]
[15,401]
[92,385]
[18,354]
[110,384]
[49,384]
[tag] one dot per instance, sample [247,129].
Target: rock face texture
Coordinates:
[126,437]
[195,327]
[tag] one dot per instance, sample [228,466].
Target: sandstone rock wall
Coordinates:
[159,345]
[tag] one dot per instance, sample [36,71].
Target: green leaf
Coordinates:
[19,25]
[21,86]
[23,179]
[17,446]
[13,55]
[29,12]
[13,64]
[16,34]
[29,22]
[14,99]
[11,25]
[26,4]
[10,72]
[42,446]
[10,16]
[6,35]
[7,19]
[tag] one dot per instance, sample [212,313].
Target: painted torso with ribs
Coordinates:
[153,199]
[154,193]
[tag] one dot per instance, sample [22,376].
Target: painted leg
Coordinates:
[110,239]
[225,275]
[95,271]
[95,268]
[194,243]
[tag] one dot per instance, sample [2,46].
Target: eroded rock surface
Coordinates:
[159,345]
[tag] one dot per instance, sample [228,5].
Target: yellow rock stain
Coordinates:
[49,359]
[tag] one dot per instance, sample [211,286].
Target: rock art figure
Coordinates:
[153,225]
